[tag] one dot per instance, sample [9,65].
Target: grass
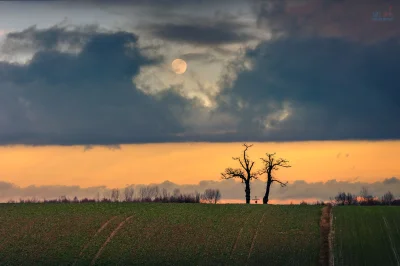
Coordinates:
[159,234]
[368,235]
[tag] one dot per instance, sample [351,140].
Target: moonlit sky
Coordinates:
[88,98]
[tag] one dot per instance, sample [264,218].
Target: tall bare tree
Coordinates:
[245,173]
[272,164]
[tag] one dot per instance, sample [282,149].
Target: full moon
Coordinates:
[179,66]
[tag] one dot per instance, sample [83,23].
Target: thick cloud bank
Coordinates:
[301,84]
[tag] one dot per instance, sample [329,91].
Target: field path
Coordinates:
[254,238]
[109,239]
[326,252]
[94,236]
[331,239]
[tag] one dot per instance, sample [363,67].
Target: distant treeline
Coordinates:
[144,194]
[153,193]
[365,198]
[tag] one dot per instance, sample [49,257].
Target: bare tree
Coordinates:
[149,193]
[345,199]
[208,195]
[351,199]
[387,198]
[245,173]
[176,192]
[165,193]
[153,192]
[365,195]
[143,193]
[272,164]
[115,194]
[128,193]
[218,196]
[211,195]
[197,196]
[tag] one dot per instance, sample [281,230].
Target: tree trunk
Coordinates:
[266,196]
[247,190]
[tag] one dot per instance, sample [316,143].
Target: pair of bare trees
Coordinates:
[246,172]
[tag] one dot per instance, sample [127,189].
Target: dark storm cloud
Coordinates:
[166,4]
[86,98]
[111,147]
[333,89]
[33,39]
[327,18]
[230,189]
[202,33]
[299,87]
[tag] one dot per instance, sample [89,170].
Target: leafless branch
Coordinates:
[282,184]
[245,157]
[281,163]
[251,166]
[272,164]
[240,161]
[246,165]
[255,175]
[262,171]
[233,173]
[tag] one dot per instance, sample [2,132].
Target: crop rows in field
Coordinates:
[368,235]
[158,234]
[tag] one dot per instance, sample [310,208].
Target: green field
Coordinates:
[159,234]
[367,235]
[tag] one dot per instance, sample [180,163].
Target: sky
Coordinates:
[89,100]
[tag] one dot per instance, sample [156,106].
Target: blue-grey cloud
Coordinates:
[78,90]
[216,33]
[85,98]
[325,18]
[316,89]
[33,39]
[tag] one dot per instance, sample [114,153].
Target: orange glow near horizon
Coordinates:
[271,201]
[189,163]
